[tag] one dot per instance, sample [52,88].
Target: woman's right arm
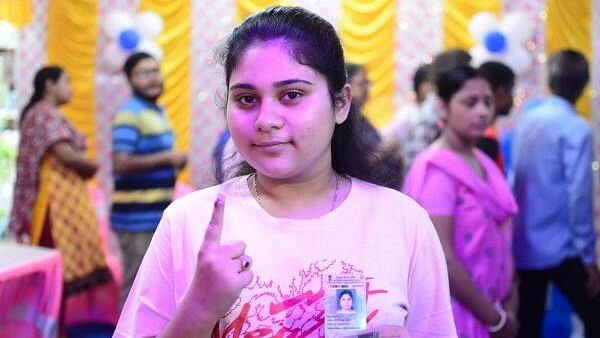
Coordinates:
[217,282]
[151,308]
[74,159]
[462,287]
[190,322]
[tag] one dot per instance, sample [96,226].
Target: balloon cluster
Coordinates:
[128,34]
[502,40]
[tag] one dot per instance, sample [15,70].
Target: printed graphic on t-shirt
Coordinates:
[294,308]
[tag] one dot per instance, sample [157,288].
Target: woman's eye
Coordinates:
[489,101]
[246,99]
[292,96]
[470,103]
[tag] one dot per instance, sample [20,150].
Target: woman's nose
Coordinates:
[269,117]
[484,110]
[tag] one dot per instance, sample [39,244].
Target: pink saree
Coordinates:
[482,209]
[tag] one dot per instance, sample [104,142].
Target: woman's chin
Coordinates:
[274,172]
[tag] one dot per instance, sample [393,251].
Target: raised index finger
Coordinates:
[215,226]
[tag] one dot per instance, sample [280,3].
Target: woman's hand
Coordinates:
[592,287]
[74,159]
[510,329]
[21,237]
[511,302]
[222,271]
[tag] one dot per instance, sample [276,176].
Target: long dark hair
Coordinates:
[312,42]
[52,73]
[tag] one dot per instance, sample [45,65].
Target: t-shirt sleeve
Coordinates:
[430,312]
[125,132]
[151,303]
[438,195]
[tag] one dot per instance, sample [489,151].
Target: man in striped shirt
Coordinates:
[144,164]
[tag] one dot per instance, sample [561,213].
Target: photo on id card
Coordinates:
[345,305]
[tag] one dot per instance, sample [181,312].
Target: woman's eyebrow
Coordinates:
[241,86]
[276,84]
[291,81]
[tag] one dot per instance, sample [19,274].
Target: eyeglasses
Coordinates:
[146,73]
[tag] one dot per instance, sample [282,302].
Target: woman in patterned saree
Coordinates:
[52,206]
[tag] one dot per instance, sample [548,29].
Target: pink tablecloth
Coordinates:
[30,291]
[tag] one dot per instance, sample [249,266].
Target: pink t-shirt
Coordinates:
[377,232]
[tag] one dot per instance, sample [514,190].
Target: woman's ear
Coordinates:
[49,86]
[342,104]
[442,109]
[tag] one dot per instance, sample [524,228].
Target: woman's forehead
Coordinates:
[477,84]
[277,50]
[270,61]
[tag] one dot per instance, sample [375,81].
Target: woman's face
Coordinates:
[470,110]
[423,90]
[62,89]
[280,113]
[346,302]
[360,87]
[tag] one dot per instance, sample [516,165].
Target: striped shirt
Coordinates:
[141,128]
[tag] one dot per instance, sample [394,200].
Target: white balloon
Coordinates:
[481,23]
[149,24]
[9,35]
[518,59]
[151,48]
[479,55]
[114,57]
[116,22]
[517,26]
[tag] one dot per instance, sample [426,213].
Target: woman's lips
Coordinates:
[271,145]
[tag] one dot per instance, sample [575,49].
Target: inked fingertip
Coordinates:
[220,199]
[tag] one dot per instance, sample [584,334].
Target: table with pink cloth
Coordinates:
[30,291]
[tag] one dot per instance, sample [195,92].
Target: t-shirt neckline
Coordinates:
[253,206]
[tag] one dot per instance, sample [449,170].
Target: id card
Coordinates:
[345,305]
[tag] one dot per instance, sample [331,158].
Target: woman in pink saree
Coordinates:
[471,207]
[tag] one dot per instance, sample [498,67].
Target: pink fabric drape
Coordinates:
[482,210]
[30,292]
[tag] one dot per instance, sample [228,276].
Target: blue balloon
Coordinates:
[495,42]
[129,39]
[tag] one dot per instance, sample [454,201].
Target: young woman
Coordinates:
[52,206]
[307,210]
[471,207]
[345,302]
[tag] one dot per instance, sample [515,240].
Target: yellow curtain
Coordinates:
[367,30]
[72,35]
[175,41]
[17,12]
[456,16]
[243,8]
[569,25]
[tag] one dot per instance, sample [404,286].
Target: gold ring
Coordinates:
[245,263]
